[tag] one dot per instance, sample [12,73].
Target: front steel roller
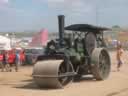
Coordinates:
[52,73]
[101,63]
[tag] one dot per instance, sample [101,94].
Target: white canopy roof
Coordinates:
[5,43]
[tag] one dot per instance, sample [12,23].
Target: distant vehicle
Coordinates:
[32,54]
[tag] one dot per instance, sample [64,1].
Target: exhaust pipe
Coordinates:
[61,28]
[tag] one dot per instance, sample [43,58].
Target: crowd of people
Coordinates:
[10,59]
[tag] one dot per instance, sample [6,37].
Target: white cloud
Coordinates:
[70,6]
[8,10]
[4,4]
[56,0]
[4,1]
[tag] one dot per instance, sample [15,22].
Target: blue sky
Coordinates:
[33,15]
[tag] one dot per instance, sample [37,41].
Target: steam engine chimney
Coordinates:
[61,28]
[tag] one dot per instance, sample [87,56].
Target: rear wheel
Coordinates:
[90,42]
[101,64]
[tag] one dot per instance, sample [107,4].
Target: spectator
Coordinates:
[5,61]
[11,58]
[17,60]
[1,61]
[119,56]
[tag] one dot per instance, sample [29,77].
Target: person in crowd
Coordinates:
[119,54]
[1,61]
[17,60]
[11,59]
[5,61]
[22,57]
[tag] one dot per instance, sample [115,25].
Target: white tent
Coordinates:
[5,43]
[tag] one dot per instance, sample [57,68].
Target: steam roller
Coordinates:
[53,73]
[79,51]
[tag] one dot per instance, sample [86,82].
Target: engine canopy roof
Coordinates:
[85,28]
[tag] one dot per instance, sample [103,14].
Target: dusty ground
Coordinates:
[20,84]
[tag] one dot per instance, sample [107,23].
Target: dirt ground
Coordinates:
[21,84]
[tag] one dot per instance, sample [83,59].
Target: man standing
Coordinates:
[17,60]
[119,56]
